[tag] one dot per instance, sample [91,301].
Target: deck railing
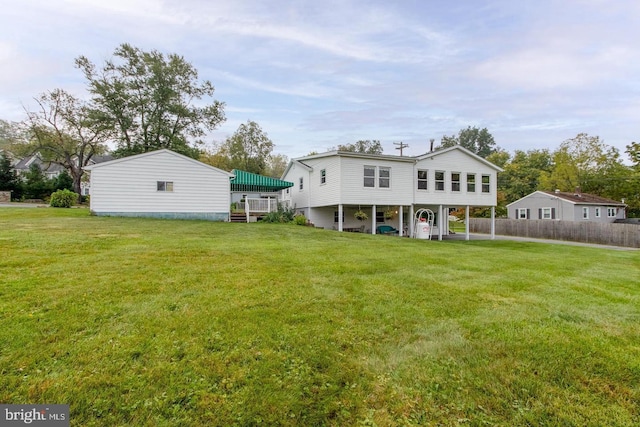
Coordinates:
[258,205]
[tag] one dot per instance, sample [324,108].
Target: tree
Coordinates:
[276,165]
[9,180]
[64,132]
[248,149]
[478,141]
[63,182]
[12,137]
[523,173]
[364,146]
[151,101]
[36,185]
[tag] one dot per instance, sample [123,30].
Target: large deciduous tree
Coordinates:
[152,101]
[65,132]
[248,149]
[478,141]
[523,173]
[366,146]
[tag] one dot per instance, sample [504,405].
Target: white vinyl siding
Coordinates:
[131,185]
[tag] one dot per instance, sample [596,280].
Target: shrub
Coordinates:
[300,220]
[63,199]
[282,215]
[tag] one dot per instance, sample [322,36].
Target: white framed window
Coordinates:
[369,176]
[597,213]
[471,183]
[522,213]
[423,179]
[323,176]
[585,213]
[166,186]
[546,213]
[612,212]
[439,179]
[486,183]
[301,185]
[384,177]
[455,181]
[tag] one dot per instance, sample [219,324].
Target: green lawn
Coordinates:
[190,323]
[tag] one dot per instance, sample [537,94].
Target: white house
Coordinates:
[330,187]
[160,184]
[559,205]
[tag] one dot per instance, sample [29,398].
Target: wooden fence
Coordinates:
[627,235]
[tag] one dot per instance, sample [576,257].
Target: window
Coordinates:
[597,212]
[423,180]
[301,183]
[546,213]
[471,183]
[369,176]
[585,213]
[486,183]
[439,181]
[455,181]
[379,217]
[384,177]
[165,186]
[323,176]
[335,216]
[522,213]
[382,173]
[612,212]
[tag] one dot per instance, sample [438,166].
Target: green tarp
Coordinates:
[247,181]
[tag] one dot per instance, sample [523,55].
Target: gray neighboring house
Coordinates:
[558,205]
[49,169]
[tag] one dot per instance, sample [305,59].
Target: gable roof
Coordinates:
[575,198]
[406,159]
[151,154]
[470,153]
[247,181]
[583,198]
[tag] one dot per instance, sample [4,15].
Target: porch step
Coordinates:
[238,217]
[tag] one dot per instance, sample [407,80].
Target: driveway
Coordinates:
[22,205]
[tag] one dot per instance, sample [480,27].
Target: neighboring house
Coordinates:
[330,187]
[558,205]
[49,169]
[161,184]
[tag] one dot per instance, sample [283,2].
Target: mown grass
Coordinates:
[188,323]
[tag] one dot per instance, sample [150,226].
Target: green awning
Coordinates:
[247,181]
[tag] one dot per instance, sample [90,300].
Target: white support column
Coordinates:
[340,215]
[411,220]
[493,222]
[466,223]
[373,219]
[400,223]
[440,221]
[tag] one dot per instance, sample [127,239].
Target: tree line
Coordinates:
[140,101]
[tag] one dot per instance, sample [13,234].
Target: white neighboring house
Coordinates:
[559,205]
[330,187]
[162,184]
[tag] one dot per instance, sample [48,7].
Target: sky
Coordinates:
[315,74]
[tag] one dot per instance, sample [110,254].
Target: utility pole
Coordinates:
[400,145]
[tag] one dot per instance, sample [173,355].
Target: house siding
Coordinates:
[564,210]
[454,161]
[353,190]
[129,188]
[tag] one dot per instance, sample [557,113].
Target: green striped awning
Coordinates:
[247,181]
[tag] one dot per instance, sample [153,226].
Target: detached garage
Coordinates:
[161,184]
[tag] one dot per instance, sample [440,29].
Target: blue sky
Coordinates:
[315,74]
